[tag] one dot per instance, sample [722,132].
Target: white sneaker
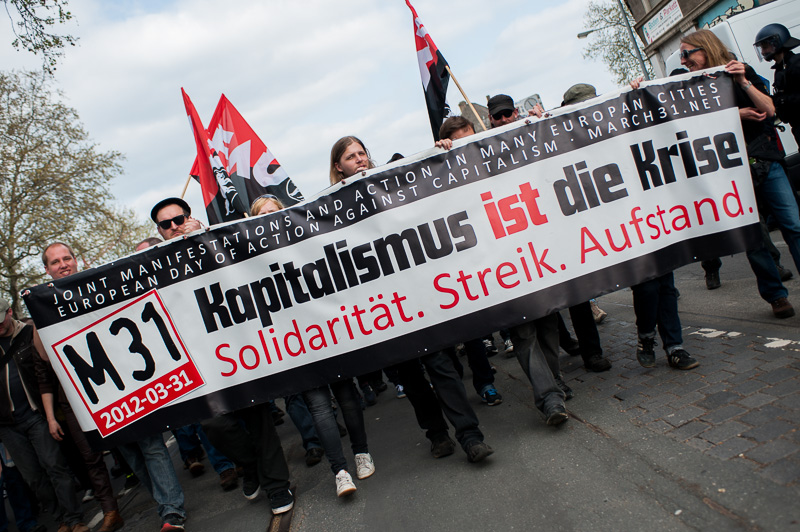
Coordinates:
[598,313]
[509,346]
[365,467]
[88,496]
[344,484]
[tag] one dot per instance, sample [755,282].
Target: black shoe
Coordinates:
[680,359]
[251,487]
[645,353]
[712,280]
[597,363]
[314,456]
[131,481]
[379,387]
[782,309]
[785,273]
[477,451]
[572,347]
[369,396]
[116,471]
[556,414]
[281,502]
[568,393]
[442,446]
[228,479]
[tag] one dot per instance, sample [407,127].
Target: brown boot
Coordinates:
[111,521]
[80,527]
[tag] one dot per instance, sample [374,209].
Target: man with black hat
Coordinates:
[774,43]
[173,218]
[247,436]
[502,110]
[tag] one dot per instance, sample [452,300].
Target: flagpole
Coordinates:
[188,179]
[464,94]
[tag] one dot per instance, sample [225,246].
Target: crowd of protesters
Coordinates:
[38,427]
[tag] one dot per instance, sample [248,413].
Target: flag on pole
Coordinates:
[435,76]
[249,165]
[220,195]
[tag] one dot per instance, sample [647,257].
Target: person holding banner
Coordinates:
[24,431]
[246,436]
[348,157]
[59,262]
[703,49]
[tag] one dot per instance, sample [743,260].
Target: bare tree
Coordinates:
[610,43]
[54,185]
[32,22]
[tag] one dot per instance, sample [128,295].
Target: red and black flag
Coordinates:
[220,195]
[435,77]
[247,163]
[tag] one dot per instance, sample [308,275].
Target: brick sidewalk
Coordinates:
[742,403]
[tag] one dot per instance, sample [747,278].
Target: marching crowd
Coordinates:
[37,424]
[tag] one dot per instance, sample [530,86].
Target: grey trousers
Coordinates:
[536,347]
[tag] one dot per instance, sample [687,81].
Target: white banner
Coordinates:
[506,227]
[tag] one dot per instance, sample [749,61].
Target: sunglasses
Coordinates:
[178,220]
[686,53]
[505,113]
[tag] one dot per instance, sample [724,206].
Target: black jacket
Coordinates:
[787,88]
[24,354]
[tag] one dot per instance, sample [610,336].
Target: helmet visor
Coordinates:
[766,48]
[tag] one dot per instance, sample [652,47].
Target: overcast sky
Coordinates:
[302,73]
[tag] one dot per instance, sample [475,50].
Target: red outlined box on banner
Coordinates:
[128,363]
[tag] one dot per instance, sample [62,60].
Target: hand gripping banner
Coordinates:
[508,226]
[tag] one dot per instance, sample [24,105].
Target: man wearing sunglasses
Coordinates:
[172,216]
[535,342]
[247,436]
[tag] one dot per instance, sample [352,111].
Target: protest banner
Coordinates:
[508,226]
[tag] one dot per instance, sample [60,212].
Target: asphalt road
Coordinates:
[604,470]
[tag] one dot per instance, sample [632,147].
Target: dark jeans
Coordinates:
[450,398]
[319,404]
[248,437]
[190,438]
[763,261]
[536,347]
[23,514]
[423,399]
[585,329]
[655,303]
[482,374]
[298,410]
[149,459]
[95,465]
[35,451]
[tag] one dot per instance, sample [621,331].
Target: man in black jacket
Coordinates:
[24,431]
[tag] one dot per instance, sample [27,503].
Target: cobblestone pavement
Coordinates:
[742,403]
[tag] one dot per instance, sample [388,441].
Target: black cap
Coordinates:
[169,201]
[500,102]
